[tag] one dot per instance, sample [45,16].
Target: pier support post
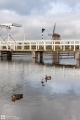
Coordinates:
[0,54]
[34,54]
[9,55]
[78,56]
[78,59]
[41,57]
[56,58]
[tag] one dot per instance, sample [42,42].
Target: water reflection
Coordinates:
[59,99]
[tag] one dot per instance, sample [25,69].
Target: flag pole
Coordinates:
[42,36]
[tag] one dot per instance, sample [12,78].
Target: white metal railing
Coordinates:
[37,43]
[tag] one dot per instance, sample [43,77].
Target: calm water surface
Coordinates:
[59,99]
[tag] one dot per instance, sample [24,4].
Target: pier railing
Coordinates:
[45,45]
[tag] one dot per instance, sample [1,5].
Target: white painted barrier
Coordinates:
[37,43]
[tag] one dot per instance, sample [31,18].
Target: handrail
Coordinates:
[62,44]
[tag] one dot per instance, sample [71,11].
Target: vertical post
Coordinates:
[74,45]
[24,32]
[44,46]
[0,45]
[54,45]
[9,55]
[34,54]
[14,45]
[30,46]
[64,46]
[7,46]
[70,45]
[36,45]
[78,59]
[0,54]
[23,45]
[41,57]
[56,57]
[61,47]
[8,36]
[79,44]
[42,34]
[10,45]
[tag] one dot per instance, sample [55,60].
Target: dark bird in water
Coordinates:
[16,97]
[47,77]
[42,81]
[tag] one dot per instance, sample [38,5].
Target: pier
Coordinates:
[38,47]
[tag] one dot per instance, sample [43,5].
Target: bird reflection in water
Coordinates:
[16,97]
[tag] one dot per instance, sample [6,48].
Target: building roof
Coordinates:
[55,34]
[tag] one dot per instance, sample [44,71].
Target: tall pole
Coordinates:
[24,32]
[42,34]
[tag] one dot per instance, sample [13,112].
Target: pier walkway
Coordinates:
[39,45]
[57,47]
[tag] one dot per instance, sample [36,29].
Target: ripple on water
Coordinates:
[60,95]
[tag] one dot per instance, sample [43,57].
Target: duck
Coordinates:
[47,77]
[42,81]
[16,97]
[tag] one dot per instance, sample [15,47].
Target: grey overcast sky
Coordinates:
[37,14]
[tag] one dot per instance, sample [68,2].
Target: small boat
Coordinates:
[16,97]
[47,77]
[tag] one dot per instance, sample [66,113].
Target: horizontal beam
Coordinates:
[39,44]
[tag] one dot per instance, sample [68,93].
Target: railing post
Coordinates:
[36,45]
[74,45]
[61,47]
[64,46]
[70,45]
[23,45]
[14,45]
[0,45]
[79,44]
[44,46]
[30,46]
[7,46]
[54,45]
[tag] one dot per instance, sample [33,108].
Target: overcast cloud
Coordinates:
[35,14]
